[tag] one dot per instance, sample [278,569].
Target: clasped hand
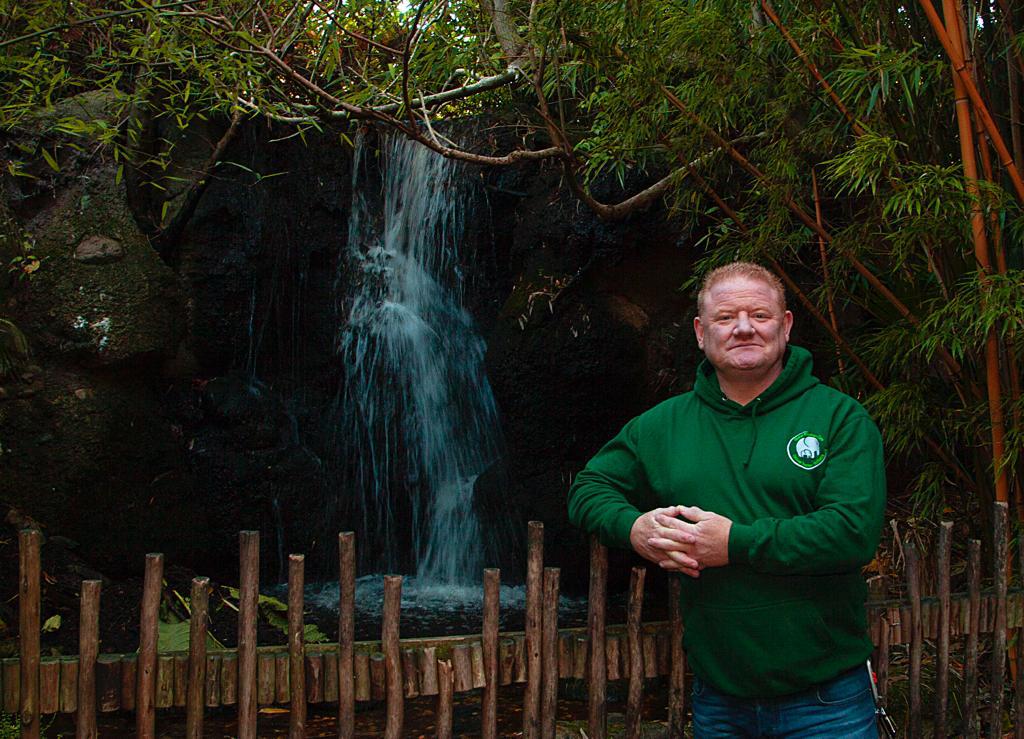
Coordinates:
[687,546]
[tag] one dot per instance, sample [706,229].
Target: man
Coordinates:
[766,489]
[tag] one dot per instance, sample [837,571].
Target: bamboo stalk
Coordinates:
[549,653]
[823,255]
[88,651]
[999,566]
[29,542]
[971,647]
[534,615]
[346,633]
[492,605]
[445,684]
[770,12]
[395,712]
[963,74]
[248,603]
[296,647]
[942,657]
[145,707]
[597,670]
[914,594]
[882,666]
[196,657]
[677,677]
[634,706]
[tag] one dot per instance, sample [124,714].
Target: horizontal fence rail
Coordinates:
[394,669]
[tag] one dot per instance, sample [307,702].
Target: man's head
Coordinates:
[742,324]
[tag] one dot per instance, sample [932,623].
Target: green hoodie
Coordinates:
[799,472]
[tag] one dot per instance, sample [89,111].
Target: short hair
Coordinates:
[748,270]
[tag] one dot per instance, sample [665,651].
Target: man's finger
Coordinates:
[682,558]
[694,513]
[670,566]
[670,544]
[674,524]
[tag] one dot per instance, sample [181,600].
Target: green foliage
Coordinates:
[13,348]
[898,270]
[275,612]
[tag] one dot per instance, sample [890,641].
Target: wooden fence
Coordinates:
[394,669]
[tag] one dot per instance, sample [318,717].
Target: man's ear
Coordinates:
[698,331]
[787,321]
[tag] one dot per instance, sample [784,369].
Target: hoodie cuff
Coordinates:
[741,539]
[620,528]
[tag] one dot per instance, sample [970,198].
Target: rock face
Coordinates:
[179,400]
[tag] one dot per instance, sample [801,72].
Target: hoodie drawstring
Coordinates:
[753,441]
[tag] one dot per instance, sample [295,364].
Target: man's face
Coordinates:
[743,328]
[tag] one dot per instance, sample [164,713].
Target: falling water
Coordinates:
[419,423]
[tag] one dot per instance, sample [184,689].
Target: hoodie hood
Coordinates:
[794,380]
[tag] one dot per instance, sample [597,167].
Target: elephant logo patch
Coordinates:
[807,450]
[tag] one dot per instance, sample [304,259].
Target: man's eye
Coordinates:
[761,316]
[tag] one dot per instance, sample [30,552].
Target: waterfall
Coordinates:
[418,419]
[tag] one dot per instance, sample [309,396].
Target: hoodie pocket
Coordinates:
[767,650]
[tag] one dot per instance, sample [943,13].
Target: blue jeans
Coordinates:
[843,707]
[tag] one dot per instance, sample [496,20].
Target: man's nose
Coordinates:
[743,325]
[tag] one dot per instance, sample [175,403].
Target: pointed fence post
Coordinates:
[999,566]
[296,647]
[549,654]
[534,614]
[916,637]
[677,679]
[145,676]
[634,713]
[248,603]
[492,608]
[942,658]
[597,673]
[395,711]
[29,541]
[971,648]
[346,634]
[194,703]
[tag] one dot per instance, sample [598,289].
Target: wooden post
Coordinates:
[942,658]
[164,681]
[196,658]
[314,667]
[49,685]
[971,648]
[395,713]
[212,687]
[445,685]
[999,567]
[597,671]
[29,541]
[549,654]
[492,607]
[69,684]
[677,678]
[534,611]
[108,682]
[346,634]
[88,651]
[916,638]
[265,679]
[248,605]
[1019,684]
[428,671]
[145,676]
[181,681]
[229,679]
[462,668]
[410,678]
[636,666]
[296,647]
